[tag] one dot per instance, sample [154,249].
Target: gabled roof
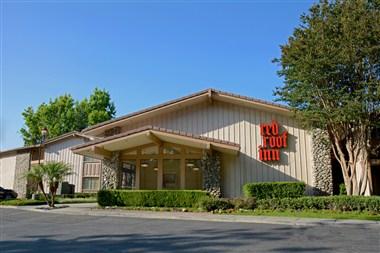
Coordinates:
[67,135]
[47,142]
[19,149]
[210,94]
[143,135]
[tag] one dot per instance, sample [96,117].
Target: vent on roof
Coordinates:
[112,131]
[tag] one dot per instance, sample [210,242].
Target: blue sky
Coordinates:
[142,52]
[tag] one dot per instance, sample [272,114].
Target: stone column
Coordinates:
[210,165]
[322,168]
[110,172]
[20,181]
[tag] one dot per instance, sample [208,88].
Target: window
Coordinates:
[148,174]
[153,150]
[171,173]
[128,174]
[172,150]
[88,159]
[90,184]
[112,131]
[193,174]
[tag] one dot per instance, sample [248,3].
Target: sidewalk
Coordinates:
[93,210]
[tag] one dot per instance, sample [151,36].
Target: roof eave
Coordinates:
[207,94]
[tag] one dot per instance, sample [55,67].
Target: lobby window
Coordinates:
[148,174]
[193,176]
[128,174]
[171,173]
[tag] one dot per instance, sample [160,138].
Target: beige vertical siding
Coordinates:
[91,169]
[61,151]
[241,125]
[7,171]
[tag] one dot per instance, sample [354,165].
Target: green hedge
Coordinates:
[150,198]
[339,203]
[270,190]
[79,195]
[211,204]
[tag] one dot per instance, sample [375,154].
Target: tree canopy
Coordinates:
[331,71]
[64,114]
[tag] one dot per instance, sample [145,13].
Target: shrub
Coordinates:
[338,203]
[150,198]
[342,189]
[244,203]
[79,195]
[274,190]
[212,204]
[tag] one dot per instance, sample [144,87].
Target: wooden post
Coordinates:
[138,172]
[182,173]
[160,174]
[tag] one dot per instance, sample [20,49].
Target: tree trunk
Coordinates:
[363,173]
[353,156]
[41,185]
[53,191]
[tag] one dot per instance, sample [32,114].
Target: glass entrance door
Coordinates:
[171,174]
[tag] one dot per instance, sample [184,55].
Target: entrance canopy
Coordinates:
[102,148]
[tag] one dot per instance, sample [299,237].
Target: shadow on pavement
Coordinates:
[204,240]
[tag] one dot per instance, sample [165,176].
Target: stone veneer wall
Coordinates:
[210,164]
[110,170]
[20,181]
[322,168]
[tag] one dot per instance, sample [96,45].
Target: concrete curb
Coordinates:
[93,210]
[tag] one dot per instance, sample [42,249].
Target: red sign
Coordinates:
[272,141]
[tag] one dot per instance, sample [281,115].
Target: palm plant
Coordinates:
[52,173]
[36,176]
[55,173]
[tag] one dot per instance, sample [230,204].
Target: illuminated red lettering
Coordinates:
[285,138]
[279,142]
[274,127]
[272,141]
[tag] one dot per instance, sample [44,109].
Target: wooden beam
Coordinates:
[154,138]
[101,151]
[209,95]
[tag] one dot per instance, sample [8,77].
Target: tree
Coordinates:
[53,174]
[100,108]
[331,70]
[63,114]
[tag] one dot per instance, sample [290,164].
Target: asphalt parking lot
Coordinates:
[25,231]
